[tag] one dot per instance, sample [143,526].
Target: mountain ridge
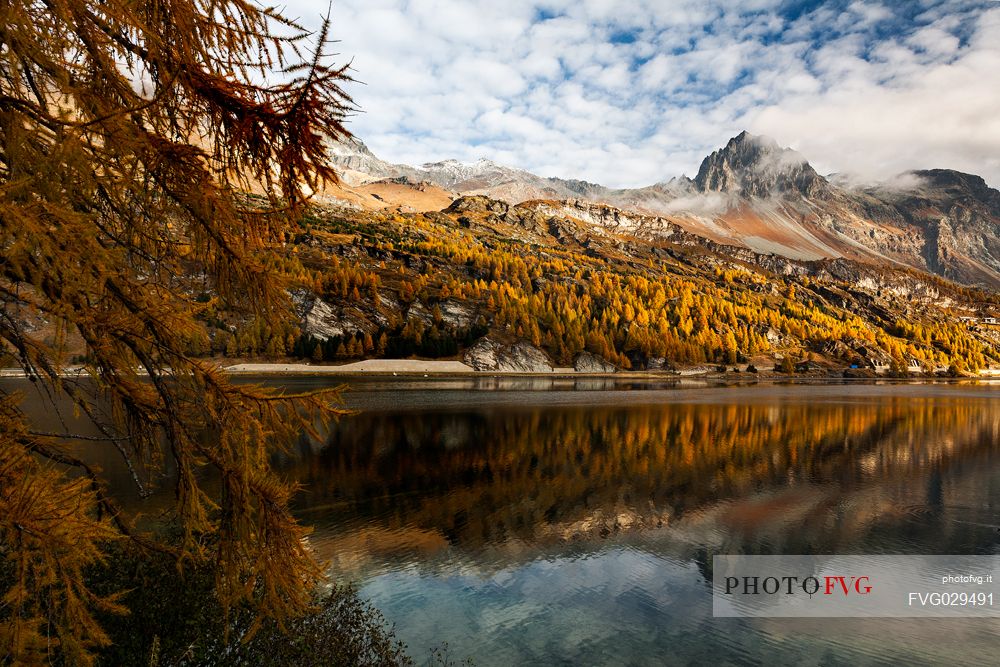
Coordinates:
[754,193]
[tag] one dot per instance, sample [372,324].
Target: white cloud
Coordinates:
[935,41]
[936,115]
[631,92]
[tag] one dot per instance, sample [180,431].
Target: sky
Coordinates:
[628,93]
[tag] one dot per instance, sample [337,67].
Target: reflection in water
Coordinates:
[481,478]
[539,533]
[553,522]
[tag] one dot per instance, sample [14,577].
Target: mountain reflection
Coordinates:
[752,476]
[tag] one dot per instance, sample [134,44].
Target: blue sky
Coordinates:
[632,92]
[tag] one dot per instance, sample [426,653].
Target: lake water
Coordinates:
[573,522]
[531,522]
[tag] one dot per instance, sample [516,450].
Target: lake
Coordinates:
[573,522]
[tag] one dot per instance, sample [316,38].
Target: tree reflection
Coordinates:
[490,476]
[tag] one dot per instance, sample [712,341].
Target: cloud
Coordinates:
[632,92]
[905,110]
[903,181]
[708,205]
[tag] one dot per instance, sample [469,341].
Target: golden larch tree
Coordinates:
[131,132]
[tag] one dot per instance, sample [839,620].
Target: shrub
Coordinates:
[176,619]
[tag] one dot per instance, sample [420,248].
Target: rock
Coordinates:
[599,218]
[520,357]
[478,204]
[591,363]
[387,304]
[657,364]
[757,167]
[418,311]
[482,356]
[323,320]
[458,314]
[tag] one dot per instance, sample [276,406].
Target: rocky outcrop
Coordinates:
[591,363]
[752,166]
[478,204]
[965,189]
[519,357]
[455,314]
[658,364]
[609,218]
[323,320]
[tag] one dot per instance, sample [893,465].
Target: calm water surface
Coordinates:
[548,524]
[541,522]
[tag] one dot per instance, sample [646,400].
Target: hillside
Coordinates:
[755,194]
[549,284]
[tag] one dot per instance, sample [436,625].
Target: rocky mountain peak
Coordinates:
[756,166]
[357,163]
[960,187]
[349,146]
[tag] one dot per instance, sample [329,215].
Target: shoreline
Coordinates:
[409,368]
[418,368]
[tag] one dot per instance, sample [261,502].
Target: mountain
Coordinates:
[752,193]
[756,167]
[549,284]
[359,166]
[956,218]
[758,261]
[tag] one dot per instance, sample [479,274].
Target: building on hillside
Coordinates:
[876,359]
